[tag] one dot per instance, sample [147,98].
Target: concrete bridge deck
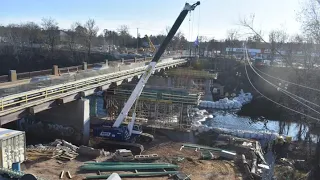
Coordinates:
[18,101]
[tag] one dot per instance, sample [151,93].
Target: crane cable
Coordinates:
[245,66]
[199,21]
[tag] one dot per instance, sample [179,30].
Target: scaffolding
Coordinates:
[157,108]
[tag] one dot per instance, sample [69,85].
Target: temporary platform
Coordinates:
[161,107]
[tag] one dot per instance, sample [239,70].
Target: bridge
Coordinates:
[32,98]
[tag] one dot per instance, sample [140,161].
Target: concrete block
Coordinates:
[84,66]
[12,75]
[107,63]
[89,151]
[55,70]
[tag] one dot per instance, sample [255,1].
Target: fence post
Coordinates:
[135,59]
[55,70]
[12,75]
[84,66]
[122,60]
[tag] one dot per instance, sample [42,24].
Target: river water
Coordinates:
[230,120]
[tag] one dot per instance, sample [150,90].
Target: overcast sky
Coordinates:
[213,18]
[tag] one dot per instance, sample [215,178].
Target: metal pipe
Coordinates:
[90,167]
[123,163]
[134,174]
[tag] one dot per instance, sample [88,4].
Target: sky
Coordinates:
[213,18]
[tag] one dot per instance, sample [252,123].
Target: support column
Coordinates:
[207,92]
[70,121]
[12,75]
[169,80]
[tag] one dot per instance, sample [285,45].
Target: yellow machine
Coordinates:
[151,46]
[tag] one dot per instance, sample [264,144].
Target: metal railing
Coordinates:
[29,75]
[4,78]
[13,103]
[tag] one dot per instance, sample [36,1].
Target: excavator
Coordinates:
[151,48]
[117,133]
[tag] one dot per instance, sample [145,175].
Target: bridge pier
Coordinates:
[73,115]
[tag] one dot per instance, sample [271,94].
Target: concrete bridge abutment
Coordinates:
[73,117]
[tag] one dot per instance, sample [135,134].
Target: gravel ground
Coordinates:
[167,150]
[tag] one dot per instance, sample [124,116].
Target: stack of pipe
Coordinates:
[129,166]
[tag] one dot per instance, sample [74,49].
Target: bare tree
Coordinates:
[72,39]
[123,31]
[51,31]
[91,32]
[232,38]
[31,33]
[14,38]
[277,39]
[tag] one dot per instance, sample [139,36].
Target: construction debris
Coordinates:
[61,174]
[69,175]
[126,155]
[91,152]
[62,150]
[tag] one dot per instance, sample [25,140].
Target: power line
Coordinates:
[311,88]
[287,92]
[246,56]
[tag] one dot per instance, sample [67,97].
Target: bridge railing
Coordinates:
[70,69]
[15,102]
[4,78]
[47,72]
[29,75]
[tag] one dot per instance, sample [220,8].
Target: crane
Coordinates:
[125,135]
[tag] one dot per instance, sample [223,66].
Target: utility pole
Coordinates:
[137,40]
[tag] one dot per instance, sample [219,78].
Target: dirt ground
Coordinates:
[50,169]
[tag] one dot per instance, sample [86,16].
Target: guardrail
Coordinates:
[13,103]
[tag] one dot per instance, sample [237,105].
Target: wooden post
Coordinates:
[246,167]
[254,163]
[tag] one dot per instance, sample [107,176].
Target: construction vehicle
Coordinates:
[123,135]
[151,46]
[150,49]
